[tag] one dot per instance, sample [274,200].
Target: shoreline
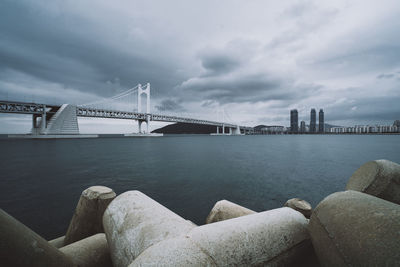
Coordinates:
[78,136]
[128,135]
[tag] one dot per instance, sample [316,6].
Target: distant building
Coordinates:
[361,129]
[321,121]
[294,121]
[302,126]
[273,129]
[313,120]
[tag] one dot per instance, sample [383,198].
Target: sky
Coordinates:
[245,62]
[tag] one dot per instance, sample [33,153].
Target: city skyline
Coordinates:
[312,126]
[201,58]
[323,128]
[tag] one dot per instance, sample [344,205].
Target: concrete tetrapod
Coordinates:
[224,210]
[300,205]
[89,252]
[355,229]
[133,222]
[271,238]
[57,242]
[20,246]
[87,218]
[380,178]
[180,251]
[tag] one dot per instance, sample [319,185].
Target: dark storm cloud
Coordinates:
[229,76]
[372,48]
[366,110]
[245,88]
[307,18]
[298,9]
[72,50]
[169,105]
[218,63]
[362,60]
[386,76]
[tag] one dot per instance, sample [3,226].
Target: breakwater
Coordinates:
[359,226]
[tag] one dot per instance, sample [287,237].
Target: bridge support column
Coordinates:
[230,130]
[43,121]
[140,126]
[217,129]
[34,124]
[223,128]
[35,127]
[148,123]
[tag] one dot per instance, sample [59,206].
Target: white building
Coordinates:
[366,129]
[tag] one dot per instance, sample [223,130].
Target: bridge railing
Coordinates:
[104,113]
[22,108]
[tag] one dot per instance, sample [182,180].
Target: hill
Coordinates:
[186,128]
[189,128]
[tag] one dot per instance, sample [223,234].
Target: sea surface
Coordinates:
[41,180]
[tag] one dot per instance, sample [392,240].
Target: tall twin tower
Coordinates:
[294,122]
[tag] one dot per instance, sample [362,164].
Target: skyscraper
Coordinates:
[294,121]
[321,121]
[302,126]
[313,121]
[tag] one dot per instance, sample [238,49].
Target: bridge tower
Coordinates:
[144,90]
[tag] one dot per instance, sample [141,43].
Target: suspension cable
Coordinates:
[118,96]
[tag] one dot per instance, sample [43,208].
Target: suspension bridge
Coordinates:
[62,119]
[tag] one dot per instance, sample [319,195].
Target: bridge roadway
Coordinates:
[34,108]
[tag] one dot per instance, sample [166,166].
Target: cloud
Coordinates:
[365,47]
[303,19]
[252,58]
[234,73]
[365,110]
[223,60]
[386,76]
[247,88]
[18,86]
[169,105]
[76,49]
[216,64]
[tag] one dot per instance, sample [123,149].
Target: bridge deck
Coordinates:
[35,108]
[116,114]
[24,108]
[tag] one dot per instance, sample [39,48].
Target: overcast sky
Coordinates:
[254,59]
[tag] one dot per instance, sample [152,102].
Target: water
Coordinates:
[41,180]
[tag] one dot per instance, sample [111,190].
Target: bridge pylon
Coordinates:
[144,90]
